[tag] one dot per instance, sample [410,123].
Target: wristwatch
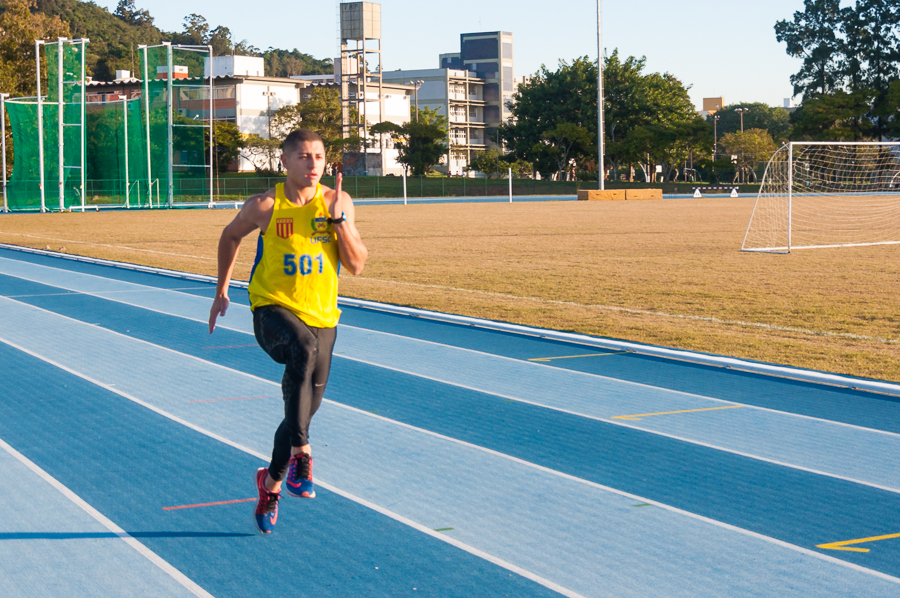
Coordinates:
[337,220]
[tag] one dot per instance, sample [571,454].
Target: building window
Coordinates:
[507,49]
[479,49]
[507,78]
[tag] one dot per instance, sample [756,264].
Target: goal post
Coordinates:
[827,194]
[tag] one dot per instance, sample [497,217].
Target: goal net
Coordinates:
[827,194]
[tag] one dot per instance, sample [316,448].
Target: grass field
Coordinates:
[667,272]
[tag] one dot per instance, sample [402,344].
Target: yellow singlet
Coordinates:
[297,262]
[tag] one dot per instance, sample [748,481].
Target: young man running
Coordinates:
[307,232]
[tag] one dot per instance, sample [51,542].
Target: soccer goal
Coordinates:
[827,194]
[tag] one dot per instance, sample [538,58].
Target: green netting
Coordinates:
[118,134]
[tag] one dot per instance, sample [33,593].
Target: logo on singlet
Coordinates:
[320,223]
[284,227]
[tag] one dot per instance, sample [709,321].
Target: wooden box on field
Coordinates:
[596,194]
[643,194]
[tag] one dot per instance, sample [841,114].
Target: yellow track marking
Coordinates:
[845,545]
[573,356]
[640,415]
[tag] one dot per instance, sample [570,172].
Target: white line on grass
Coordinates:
[151,556]
[642,312]
[396,516]
[73,242]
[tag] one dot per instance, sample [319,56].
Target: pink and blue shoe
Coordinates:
[266,513]
[299,480]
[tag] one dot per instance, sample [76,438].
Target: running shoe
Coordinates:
[266,513]
[299,480]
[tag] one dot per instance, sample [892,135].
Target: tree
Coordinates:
[551,98]
[196,30]
[488,161]
[839,116]
[776,121]
[750,147]
[262,153]
[128,12]
[420,145]
[321,113]
[812,36]
[284,63]
[564,142]
[19,27]
[227,145]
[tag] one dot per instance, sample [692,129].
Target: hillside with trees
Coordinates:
[115,38]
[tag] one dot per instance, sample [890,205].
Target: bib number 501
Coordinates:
[302,264]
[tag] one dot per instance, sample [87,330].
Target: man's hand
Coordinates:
[337,203]
[219,306]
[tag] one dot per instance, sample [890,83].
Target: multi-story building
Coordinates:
[471,88]
[456,94]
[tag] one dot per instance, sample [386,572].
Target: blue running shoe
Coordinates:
[299,480]
[266,513]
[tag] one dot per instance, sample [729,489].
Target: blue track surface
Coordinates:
[540,475]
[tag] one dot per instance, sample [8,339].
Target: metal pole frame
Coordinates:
[40,114]
[146,94]
[510,184]
[211,122]
[600,130]
[127,180]
[790,191]
[84,41]
[3,97]
[404,185]
[61,143]
[170,149]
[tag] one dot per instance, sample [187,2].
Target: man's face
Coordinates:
[305,164]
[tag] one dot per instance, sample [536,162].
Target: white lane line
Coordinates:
[219,324]
[770,370]
[162,564]
[396,516]
[623,424]
[151,556]
[558,409]
[588,375]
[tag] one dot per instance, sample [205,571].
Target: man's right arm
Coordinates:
[247,220]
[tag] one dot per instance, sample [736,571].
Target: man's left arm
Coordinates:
[351,249]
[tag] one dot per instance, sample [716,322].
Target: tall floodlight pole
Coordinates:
[600,131]
[40,118]
[3,97]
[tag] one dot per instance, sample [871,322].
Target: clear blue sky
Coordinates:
[719,48]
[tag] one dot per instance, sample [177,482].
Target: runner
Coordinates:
[307,233]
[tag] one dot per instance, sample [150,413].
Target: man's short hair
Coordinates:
[297,137]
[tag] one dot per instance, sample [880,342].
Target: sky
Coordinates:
[717,48]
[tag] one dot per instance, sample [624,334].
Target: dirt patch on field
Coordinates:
[667,272]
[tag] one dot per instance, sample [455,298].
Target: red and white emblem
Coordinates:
[284,227]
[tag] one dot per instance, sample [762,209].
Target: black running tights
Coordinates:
[305,352]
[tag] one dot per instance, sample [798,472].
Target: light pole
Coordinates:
[269,95]
[417,83]
[600,132]
[3,97]
[715,135]
[741,111]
